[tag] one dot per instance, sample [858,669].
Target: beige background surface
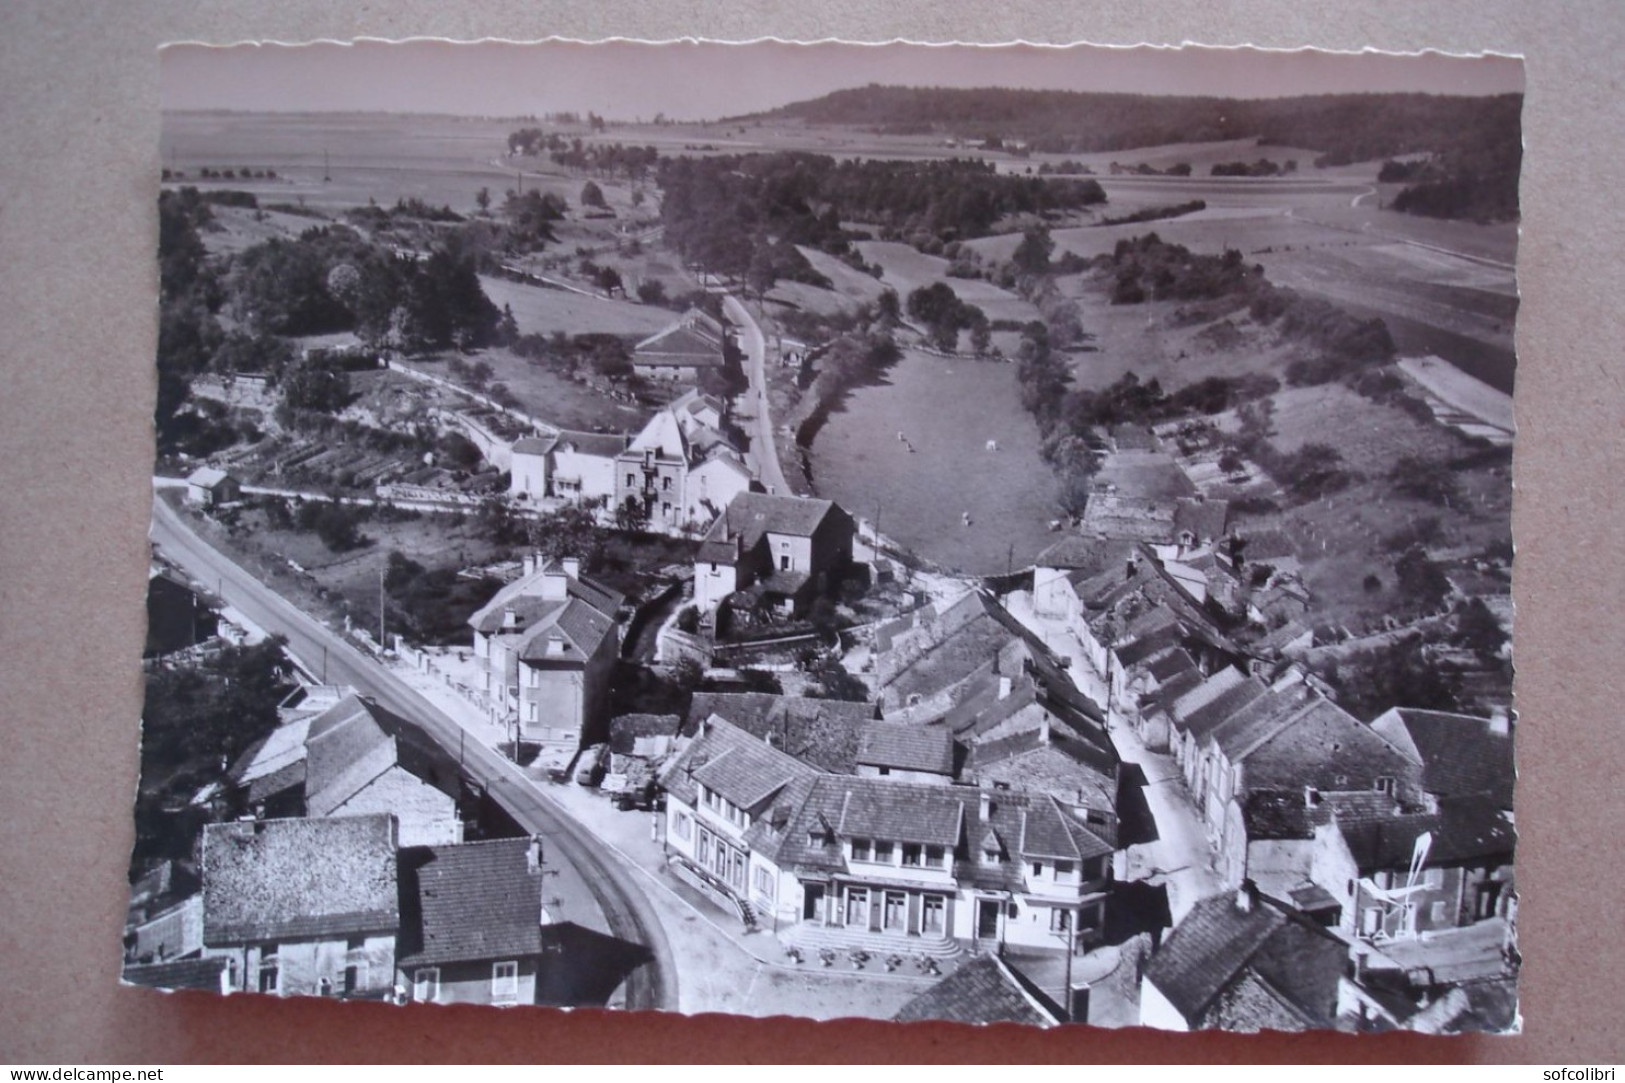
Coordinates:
[78,162]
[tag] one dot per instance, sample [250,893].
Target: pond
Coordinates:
[922,485]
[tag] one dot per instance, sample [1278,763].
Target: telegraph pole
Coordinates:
[381,609]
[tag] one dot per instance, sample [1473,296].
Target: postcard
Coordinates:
[982,533]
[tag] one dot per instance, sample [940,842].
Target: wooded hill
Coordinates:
[1477,139]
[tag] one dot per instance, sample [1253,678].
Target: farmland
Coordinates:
[542,311]
[548,395]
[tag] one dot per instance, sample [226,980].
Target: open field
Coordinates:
[948,411]
[541,311]
[907,269]
[547,395]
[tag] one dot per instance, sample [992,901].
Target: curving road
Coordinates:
[762,447]
[626,911]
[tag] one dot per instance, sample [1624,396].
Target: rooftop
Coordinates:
[981,991]
[906,748]
[469,902]
[824,733]
[270,880]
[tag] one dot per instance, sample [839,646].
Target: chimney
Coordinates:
[1500,721]
[984,804]
[530,564]
[572,567]
[1004,687]
[533,854]
[510,619]
[555,586]
[1043,730]
[1246,896]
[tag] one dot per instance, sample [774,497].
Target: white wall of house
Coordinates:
[712,485]
[529,475]
[1054,598]
[1157,1011]
[713,582]
[578,475]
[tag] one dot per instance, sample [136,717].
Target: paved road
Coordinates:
[1180,857]
[762,446]
[627,913]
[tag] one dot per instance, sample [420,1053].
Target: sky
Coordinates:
[690,80]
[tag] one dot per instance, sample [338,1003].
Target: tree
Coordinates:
[482,199]
[608,279]
[316,387]
[1422,579]
[1478,630]
[571,531]
[651,291]
[593,196]
[1032,255]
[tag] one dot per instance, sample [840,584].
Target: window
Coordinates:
[716,570]
[535,712]
[762,878]
[426,983]
[1436,913]
[665,484]
[631,481]
[883,852]
[270,970]
[931,914]
[355,976]
[684,825]
[1038,868]
[1060,921]
[990,857]
[860,849]
[1385,784]
[933,857]
[912,855]
[1066,872]
[504,981]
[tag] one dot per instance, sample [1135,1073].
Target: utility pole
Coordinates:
[381,609]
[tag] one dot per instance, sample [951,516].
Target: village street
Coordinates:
[763,457]
[1179,857]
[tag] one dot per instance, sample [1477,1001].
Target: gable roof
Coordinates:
[1205,519]
[752,516]
[534,445]
[1380,836]
[488,618]
[1090,553]
[1325,747]
[906,748]
[981,991]
[270,880]
[678,345]
[741,767]
[628,730]
[473,901]
[1460,755]
[1219,947]
[603,445]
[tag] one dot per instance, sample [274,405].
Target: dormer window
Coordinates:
[1385,784]
[861,850]
[555,646]
[991,857]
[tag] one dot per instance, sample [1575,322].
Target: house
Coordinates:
[785,550]
[473,922]
[1286,737]
[638,745]
[682,469]
[546,645]
[1246,963]
[892,863]
[352,758]
[574,466]
[697,342]
[303,907]
[178,616]
[982,991]
[209,487]
[1059,569]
